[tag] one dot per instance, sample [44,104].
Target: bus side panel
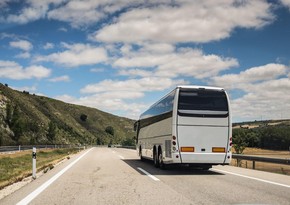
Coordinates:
[154,135]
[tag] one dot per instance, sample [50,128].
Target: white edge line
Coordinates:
[40,189]
[257,179]
[148,174]
[121,157]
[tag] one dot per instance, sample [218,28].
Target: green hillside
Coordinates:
[30,119]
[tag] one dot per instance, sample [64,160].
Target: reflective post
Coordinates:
[34,162]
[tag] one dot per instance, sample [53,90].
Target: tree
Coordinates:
[51,131]
[18,128]
[128,142]
[9,114]
[15,122]
[83,117]
[110,130]
[239,145]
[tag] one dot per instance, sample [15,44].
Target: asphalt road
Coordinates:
[117,176]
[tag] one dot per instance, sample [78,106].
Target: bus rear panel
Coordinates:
[203,126]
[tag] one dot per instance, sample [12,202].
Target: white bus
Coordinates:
[191,125]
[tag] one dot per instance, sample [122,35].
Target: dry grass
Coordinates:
[17,166]
[269,167]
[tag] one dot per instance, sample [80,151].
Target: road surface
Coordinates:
[117,176]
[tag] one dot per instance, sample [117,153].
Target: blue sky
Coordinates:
[121,56]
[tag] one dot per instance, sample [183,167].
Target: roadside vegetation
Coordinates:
[272,135]
[17,166]
[262,138]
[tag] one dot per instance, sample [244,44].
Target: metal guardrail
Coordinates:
[29,147]
[127,147]
[261,159]
[255,159]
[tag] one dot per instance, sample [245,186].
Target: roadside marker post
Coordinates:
[34,162]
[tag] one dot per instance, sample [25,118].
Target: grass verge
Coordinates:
[15,167]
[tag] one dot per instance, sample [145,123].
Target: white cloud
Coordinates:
[26,88]
[266,92]
[77,13]
[64,78]
[85,13]
[32,10]
[171,63]
[186,21]
[21,44]
[286,3]
[76,55]
[97,70]
[63,29]
[135,73]
[24,55]
[48,46]
[252,75]
[110,102]
[121,96]
[3,3]
[267,100]
[12,70]
[162,21]
[141,85]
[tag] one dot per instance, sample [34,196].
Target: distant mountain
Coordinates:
[30,119]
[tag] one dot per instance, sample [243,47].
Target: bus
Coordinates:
[191,125]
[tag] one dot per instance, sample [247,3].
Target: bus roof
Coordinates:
[199,87]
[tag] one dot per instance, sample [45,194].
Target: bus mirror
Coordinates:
[136,125]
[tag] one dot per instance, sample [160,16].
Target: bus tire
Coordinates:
[140,154]
[160,160]
[155,158]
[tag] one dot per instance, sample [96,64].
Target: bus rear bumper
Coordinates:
[205,158]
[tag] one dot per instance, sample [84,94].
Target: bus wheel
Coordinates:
[160,160]
[140,154]
[155,157]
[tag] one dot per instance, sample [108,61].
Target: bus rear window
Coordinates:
[202,99]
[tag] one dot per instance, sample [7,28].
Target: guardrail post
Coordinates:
[19,148]
[254,164]
[34,163]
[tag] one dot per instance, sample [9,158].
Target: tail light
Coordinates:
[174,143]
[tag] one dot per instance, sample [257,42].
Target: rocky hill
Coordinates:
[30,119]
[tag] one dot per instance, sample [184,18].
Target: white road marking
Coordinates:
[40,189]
[254,178]
[121,157]
[148,174]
